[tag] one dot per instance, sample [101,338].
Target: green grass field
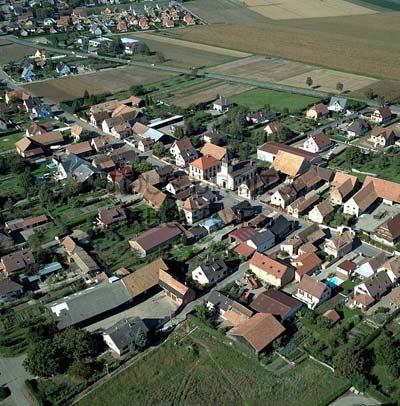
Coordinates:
[7,142]
[201,370]
[257,98]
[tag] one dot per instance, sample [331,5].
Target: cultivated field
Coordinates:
[326,80]
[204,91]
[289,9]
[112,80]
[13,52]
[364,44]
[257,98]
[263,68]
[186,44]
[292,73]
[201,370]
[181,56]
[389,89]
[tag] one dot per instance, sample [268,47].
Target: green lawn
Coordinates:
[201,370]
[7,142]
[257,98]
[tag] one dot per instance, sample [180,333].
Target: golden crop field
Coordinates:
[289,9]
[113,80]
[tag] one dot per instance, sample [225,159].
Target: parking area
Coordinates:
[370,221]
[155,309]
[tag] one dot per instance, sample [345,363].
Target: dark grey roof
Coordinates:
[280,226]
[261,237]
[88,303]
[125,331]
[214,267]
[78,167]
[8,286]
[220,301]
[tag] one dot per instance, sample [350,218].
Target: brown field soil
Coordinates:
[263,68]
[389,89]
[361,44]
[204,92]
[326,80]
[187,44]
[112,81]
[13,52]
[182,56]
[289,9]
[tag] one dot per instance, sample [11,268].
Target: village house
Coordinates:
[262,240]
[180,187]
[268,152]
[24,224]
[381,115]
[346,268]
[392,268]
[291,245]
[145,144]
[343,187]
[10,290]
[150,194]
[204,168]
[357,127]
[306,264]
[272,128]
[290,164]
[370,266]
[195,208]
[222,104]
[210,272]
[175,290]
[110,216]
[258,184]
[371,290]
[284,196]
[382,137]
[388,233]
[339,245]
[121,337]
[277,303]
[312,292]
[155,238]
[81,149]
[213,150]
[317,111]
[321,212]
[361,201]
[270,271]
[302,205]
[76,132]
[258,332]
[183,152]
[317,143]
[16,262]
[338,105]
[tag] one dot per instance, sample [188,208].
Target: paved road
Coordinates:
[13,374]
[350,399]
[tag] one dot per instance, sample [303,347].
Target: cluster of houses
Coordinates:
[259,221]
[79,19]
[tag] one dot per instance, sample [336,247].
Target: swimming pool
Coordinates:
[334,282]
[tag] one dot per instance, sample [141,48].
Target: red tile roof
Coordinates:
[268,265]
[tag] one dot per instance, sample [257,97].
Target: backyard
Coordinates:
[196,368]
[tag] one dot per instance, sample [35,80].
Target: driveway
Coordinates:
[13,374]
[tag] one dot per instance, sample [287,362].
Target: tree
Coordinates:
[339,87]
[86,94]
[168,211]
[309,81]
[137,90]
[140,339]
[81,370]
[143,49]
[179,133]
[349,362]
[189,126]
[44,359]
[159,149]
[141,166]
[46,195]
[369,93]
[27,182]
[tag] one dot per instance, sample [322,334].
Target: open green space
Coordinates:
[199,369]
[257,98]
[7,141]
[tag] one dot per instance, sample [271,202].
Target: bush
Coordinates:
[4,392]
